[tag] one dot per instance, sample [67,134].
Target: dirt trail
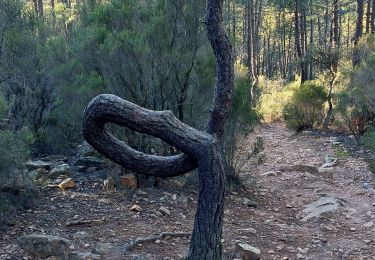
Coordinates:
[288,182]
[348,233]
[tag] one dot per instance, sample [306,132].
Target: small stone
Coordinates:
[141,193]
[353,229]
[300,256]
[135,208]
[250,203]
[369,224]
[67,183]
[72,247]
[164,211]
[86,245]
[157,241]
[248,252]
[248,230]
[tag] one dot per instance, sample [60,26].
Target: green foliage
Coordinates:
[306,107]
[14,148]
[275,95]
[356,99]
[239,124]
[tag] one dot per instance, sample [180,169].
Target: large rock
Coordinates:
[87,157]
[34,165]
[62,169]
[319,207]
[43,246]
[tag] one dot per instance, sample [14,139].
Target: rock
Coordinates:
[43,246]
[62,169]
[129,181]
[87,162]
[109,184]
[135,208]
[87,157]
[250,203]
[80,235]
[322,205]
[271,173]
[67,183]
[103,248]
[248,230]
[86,150]
[83,256]
[329,162]
[366,185]
[369,224]
[300,256]
[183,201]
[34,165]
[248,252]
[141,193]
[164,211]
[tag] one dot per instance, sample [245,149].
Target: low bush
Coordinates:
[14,149]
[305,110]
[275,94]
[16,188]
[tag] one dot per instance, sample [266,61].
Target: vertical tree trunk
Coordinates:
[40,9]
[299,41]
[368,16]
[373,17]
[53,13]
[358,33]
[333,69]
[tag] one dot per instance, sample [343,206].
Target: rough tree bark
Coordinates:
[199,149]
[358,33]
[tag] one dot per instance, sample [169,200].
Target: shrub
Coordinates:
[14,149]
[239,124]
[275,95]
[306,107]
[356,100]
[16,188]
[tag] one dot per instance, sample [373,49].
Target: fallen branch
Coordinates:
[132,243]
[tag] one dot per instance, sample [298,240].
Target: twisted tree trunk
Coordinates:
[199,149]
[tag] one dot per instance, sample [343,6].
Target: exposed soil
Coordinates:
[284,189]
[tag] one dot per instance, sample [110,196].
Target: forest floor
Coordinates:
[285,224]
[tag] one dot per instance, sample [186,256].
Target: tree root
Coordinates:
[132,243]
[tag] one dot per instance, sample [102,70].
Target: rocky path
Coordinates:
[299,210]
[294,191]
